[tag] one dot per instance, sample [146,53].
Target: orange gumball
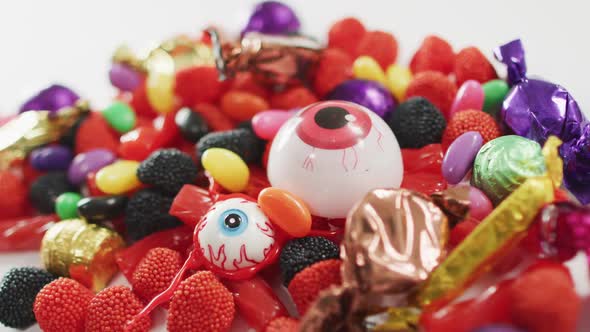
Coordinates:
[242,106]
[286,211]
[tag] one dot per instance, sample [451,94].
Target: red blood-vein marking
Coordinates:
[379,137]
[243,257]
[268,231]
[202,225]
[267,250]
[220,252]
[356,158]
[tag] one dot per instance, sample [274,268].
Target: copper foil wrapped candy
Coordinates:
[394,238]
[277,60]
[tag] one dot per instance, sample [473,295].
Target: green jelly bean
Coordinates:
[494,92]
[120,116]
[66,205]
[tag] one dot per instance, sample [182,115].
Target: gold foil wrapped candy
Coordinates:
[82,251]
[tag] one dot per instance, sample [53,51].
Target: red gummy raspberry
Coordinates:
[307,284]
[295,97]
[198,85]
[346,34]
[95,133]
[283,324]
[334,67]
[13,202]
[434,54]
[155,272]
[435,87]
[470,120]
[112,308]
[471,64]
[201,303]
[62,306]
[379,45]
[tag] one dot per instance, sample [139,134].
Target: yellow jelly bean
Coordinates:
[118,177]
[227,168]
[366,68]
[398,79]
[160,81]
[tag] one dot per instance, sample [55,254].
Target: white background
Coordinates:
[71,41]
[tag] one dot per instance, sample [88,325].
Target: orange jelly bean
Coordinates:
[286,211]
[242,106]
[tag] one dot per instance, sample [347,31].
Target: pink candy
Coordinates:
[266,124]
[469,97]
[480,205]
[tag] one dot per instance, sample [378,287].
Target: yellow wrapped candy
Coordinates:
[227,168]
[118,177]
[398,79]
[366,68]
[553,161]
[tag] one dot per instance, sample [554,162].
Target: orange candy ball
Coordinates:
[242,106]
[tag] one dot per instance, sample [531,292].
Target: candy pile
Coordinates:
[299,186]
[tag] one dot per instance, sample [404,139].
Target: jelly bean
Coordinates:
[470,96]
[119,177]
[494,92]
[51,158]
[160,81]
[87,162]
[398,79]
[366,68]
[167,129]
[227,168]
[91,185]
[124,77]
[215,119]
[24,233]
[458,159]
[286,211]
[242,106]
[138,144]
[98,209]
[479,204]
[192,126]
[120,117]
[66,205]
[267,123]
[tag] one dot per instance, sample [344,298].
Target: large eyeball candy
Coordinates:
[235,237]
[331,154]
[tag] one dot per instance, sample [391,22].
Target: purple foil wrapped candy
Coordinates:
[536,109]
[272,17]
[51,99]
[576,165]
[370,94]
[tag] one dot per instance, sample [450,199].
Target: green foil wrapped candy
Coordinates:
[505,163]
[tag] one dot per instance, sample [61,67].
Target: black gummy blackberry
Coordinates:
[46,188]
[242,141]
[18,290]
[168,170]
[245,125]
[147,213]
[416,123]
[300,253]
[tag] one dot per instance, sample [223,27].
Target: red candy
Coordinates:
[435,87]
[422,169]
[13,201]
[296,97]
[138,144]
[168,131]
[198,85]
[434,54]
[190,204]
[95,133]
[334,67]
[245,82]
[216,120]
[92,187]
[379,45]
[242,106]
[155,272]
[24,233]
[471,64]
[112,308]
[460,231]
[470,120]
[307,284]
[140,103]
[283,324]
[346,34]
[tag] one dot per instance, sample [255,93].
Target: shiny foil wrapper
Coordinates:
[394,238]
[84,252]
[576,166]
[500,230]
[454,202]
[534,108]
[273,59]
[30,130]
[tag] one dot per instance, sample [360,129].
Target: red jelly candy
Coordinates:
[24,233]
[242,106]
[245,82]
[434,54]
[471,64]
[422,169]
[334,67]
[256,301]
[167,129]
[216,120]
[346,34]
[92,187]
[138,144]
[140,103]
[460,231]
[379,45]
[94,133]
[198,85]
[13,201]
[179,239]
[257,182]
[190,204]
[435,87]
[295,97]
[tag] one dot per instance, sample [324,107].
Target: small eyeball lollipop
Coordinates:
[331,154]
